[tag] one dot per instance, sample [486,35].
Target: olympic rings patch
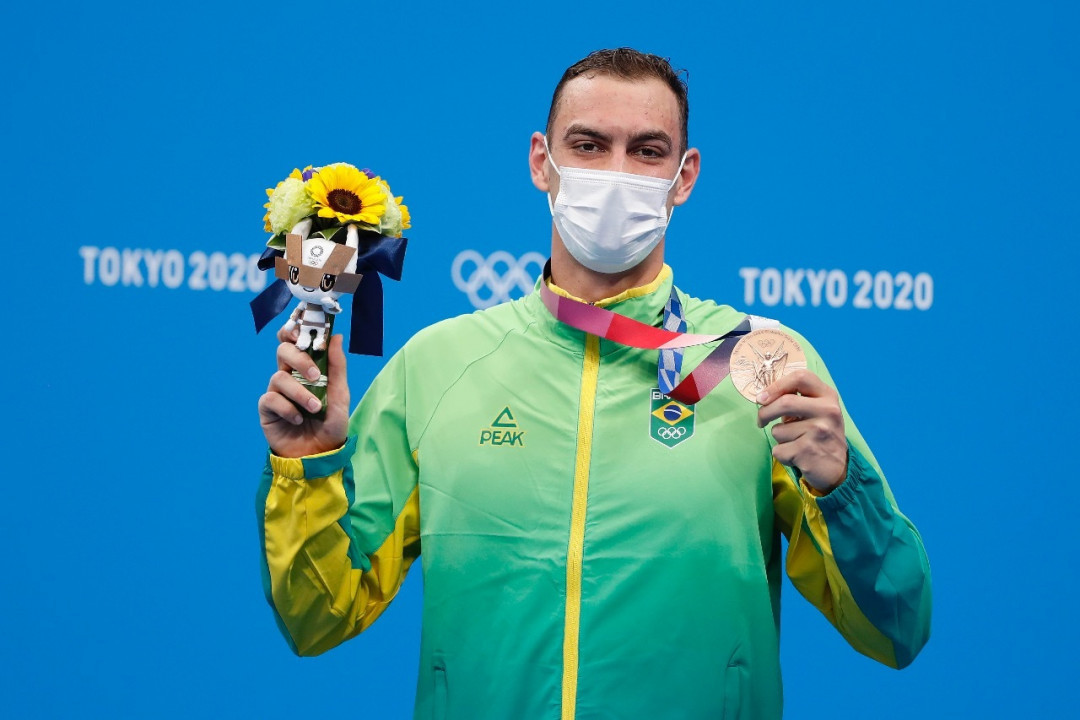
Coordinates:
[496,278]
[670,422]
[671,433]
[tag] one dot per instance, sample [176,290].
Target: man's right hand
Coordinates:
[289,432]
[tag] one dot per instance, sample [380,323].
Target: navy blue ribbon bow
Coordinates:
[377,255]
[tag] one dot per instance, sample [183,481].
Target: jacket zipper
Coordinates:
[590,372]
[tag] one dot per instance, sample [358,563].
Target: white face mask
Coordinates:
[610,221]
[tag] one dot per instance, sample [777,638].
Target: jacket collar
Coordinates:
[644,304]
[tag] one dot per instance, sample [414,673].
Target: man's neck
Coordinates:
[591,286]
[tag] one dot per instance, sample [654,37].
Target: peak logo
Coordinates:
[503,431]
[496,278]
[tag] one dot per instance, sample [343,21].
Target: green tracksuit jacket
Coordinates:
[575,566]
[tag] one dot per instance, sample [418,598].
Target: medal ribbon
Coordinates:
[627,331]
[669,364]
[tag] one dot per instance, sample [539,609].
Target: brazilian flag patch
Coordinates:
[670,422]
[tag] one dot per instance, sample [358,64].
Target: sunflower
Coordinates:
[343,192]
[405,217]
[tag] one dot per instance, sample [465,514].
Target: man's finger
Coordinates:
[274,407]
[790,431]
[283,383]
[786,454]
[284,335]
[802,382]
[790,406]
[290,357]
[337,381]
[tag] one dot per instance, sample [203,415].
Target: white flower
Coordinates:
[289,204]
[390,224]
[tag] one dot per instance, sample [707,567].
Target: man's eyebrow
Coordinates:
[653,135]
[579,129]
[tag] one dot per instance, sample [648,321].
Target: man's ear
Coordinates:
[688,176]
[539,167]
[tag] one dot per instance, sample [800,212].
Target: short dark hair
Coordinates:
[628,64]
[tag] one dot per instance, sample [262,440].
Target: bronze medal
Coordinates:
[762,357]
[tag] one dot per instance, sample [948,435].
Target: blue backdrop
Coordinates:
[917,164]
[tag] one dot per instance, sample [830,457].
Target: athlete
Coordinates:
[591,548]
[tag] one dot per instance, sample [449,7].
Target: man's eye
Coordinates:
[588,147]
[649,152]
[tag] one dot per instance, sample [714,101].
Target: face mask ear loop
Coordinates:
[679,171]
[551,206]
[673,181]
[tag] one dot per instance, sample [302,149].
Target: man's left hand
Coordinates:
[811,435]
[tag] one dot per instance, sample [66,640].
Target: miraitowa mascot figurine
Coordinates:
[334,230]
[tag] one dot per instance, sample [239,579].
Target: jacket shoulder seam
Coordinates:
[450,386]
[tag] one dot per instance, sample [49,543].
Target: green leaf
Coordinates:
[329,233]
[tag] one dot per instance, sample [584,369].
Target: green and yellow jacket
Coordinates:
[582,558]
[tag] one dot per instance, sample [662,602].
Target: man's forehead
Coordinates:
[598,99]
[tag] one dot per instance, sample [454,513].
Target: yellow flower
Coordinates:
[343,192]
[405,225]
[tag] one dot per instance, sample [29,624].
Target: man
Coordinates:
[575,566]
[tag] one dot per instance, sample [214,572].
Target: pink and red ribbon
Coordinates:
[627,331]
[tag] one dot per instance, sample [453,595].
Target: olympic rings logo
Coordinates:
[671,433]
[500,274]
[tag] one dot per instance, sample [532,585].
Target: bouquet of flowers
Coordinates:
[334,230]
[332,197]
